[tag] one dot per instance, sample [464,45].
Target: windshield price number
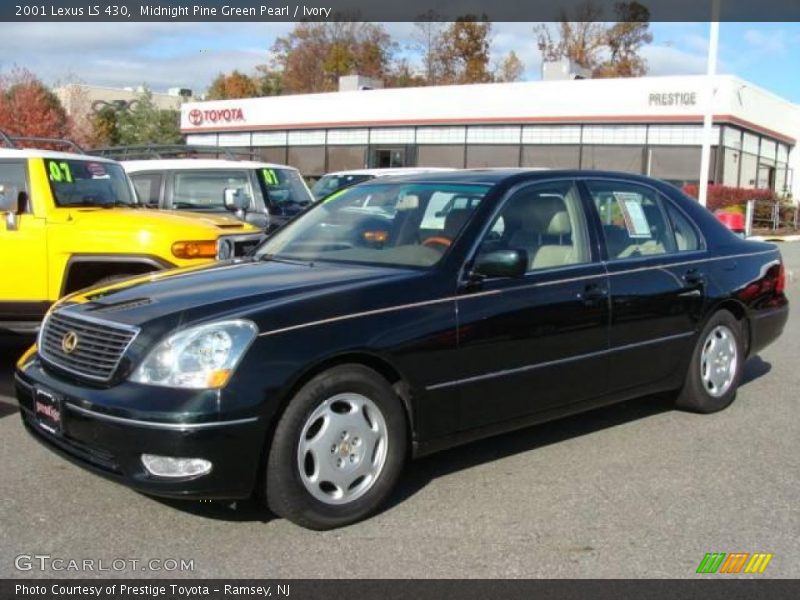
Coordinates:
[60,171]
[93,10]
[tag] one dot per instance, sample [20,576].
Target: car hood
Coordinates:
[230,289]
[141,218]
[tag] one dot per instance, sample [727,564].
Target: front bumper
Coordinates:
[96,435]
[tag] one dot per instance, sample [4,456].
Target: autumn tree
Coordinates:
[510,68]
[606,49]
[426,41]
[269,81]
[463,54]
[233,85]
[29,108]
[313,56]
[624,40]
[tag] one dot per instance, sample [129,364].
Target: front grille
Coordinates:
[99,348]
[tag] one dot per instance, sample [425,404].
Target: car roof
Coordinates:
[512,175]
[188,164]
[388,171]
[39,153]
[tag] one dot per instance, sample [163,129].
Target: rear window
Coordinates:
[88,183]
[284,187]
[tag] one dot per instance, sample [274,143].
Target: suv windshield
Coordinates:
[89,183]
[403,224]
[331,183]
[284,186]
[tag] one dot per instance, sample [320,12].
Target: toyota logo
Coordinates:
[196,116]
[69,342]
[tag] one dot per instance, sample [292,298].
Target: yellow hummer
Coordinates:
[69,220]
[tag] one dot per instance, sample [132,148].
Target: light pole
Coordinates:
[708,112]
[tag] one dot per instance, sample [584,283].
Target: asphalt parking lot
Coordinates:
[634,490]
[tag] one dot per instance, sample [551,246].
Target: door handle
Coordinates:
[592,294]
[694,278]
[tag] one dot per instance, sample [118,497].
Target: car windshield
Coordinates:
[331,183]
[89,183]
[401,224]
[285,186]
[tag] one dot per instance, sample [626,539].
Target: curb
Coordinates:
[775,238]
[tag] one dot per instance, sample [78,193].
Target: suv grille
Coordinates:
[96,346]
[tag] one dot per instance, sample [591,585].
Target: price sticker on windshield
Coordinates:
[59,171]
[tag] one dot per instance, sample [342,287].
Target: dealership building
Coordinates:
[650,125]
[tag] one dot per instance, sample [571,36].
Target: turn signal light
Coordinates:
[376,236]
[198,249]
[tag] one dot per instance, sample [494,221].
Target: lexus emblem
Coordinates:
[69,342]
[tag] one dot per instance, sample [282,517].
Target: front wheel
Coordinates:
[716,366]
[338,449]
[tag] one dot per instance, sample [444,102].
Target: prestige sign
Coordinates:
[672,99]
[198,117]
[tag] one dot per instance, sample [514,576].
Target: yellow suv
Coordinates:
[68,221]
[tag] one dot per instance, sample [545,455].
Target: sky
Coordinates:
[164,55]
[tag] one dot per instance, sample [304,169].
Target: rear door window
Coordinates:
[633,219]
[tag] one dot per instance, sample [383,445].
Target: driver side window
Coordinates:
[547,221]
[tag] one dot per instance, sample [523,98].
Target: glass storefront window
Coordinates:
[441,156]
[749,172]
[613,158]
[479,156]
[309,160]
[550,156]
[341,158]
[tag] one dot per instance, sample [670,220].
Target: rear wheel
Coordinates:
[338,449]
[716,366]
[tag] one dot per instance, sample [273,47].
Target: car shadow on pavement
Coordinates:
[754,368]
[11,348]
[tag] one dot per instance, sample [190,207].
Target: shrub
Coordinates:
[724,197]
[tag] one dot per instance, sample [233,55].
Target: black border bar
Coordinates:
[702,587]
[378,10]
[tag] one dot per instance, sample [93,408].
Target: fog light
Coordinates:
[168,466]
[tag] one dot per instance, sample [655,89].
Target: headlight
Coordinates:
[224,249]
[199,357]
[195,249]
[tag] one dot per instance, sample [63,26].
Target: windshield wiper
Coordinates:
[288,261]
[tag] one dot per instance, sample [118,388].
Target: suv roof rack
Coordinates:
[157,151]
[10,141]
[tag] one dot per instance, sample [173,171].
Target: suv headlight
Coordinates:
[199,357]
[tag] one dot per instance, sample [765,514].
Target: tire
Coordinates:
[712,379]
[338,449]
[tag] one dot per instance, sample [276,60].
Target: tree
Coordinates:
[463,53]
[105,127]
[269,81]
[313,56]
[145,123]
[232,86]
[580,40]
[426,40]
[510,69]
[608,50]
[625,39]
[29,108]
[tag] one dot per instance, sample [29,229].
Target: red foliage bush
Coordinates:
[723,197]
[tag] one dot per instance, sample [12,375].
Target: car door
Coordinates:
[535,343]
[23,249]
[656,280]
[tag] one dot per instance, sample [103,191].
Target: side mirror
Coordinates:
[235,200]
[9,204]
[502,263]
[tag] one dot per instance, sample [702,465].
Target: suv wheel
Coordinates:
[338,449]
